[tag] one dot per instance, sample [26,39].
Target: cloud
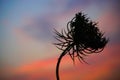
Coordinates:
[106,67]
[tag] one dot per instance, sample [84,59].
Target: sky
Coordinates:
[26,39]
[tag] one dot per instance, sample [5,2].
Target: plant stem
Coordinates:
[59,60]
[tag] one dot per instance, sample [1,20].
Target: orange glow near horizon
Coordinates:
[45,69]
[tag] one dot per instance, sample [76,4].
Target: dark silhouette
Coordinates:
[81,39]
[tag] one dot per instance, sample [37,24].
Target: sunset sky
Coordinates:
[26,39]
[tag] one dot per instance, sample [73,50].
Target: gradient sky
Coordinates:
[26,37]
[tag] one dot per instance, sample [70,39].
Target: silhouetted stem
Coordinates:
[59,60]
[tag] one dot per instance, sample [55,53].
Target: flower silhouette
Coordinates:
[81,38]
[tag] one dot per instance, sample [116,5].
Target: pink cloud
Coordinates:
[105,64]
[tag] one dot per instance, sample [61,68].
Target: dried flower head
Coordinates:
[81,38]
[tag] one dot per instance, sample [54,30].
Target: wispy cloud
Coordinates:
[104,68]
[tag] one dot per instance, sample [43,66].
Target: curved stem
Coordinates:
[59,60]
